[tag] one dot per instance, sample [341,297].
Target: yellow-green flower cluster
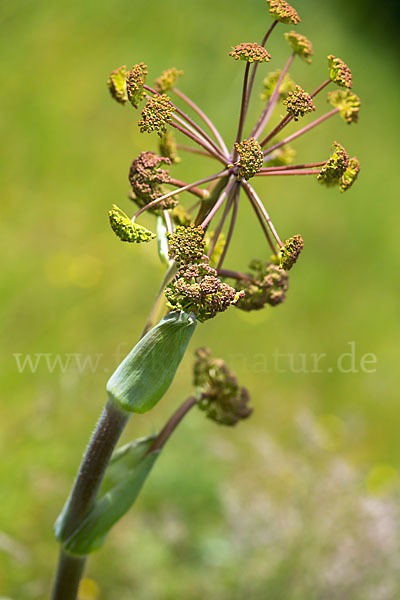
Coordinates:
[117,84]
[348,103]
[339,72]
[126,230]
[299,103]
[186,245]
[250,53]
[335,167]
[282,11]
[350,175]
[135,83]
[156,114]
[251,158]
[266,284]
[291,252]
[300,45]
[167,80]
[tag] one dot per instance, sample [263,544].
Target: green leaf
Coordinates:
[91,533]
[144,376]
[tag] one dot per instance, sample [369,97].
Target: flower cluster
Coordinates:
[299,103]
[251,158]
[156,114]
[186,245]
[135,84]
[252,53]
[270,83]
[266,284]
[217,390]
[146,178]
[282,11]
[348,103]
[291,252]
[350,174]
[126,230]
[300,45]
[339,72]
[335,167]
[117,84]
[167,80]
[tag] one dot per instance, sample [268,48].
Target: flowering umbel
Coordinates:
[300,45]
[282,11]
[339,72]
[250,53]
[251,158]
[167,80]
[265,284]
[117,84]
[347,103]
[135,84]
[146,178]
[126,230]
[291,252]
[156,114]
[299,103]
[350,175]
[217,390]
[336,166]
[286,85]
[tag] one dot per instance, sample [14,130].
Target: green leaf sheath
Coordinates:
[146,373]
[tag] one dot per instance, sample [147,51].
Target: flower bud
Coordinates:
[146,373]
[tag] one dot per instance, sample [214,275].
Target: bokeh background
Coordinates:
[300,502]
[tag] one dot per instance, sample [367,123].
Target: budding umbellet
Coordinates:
[250,52]
[167,80]
[146,178]
[335,167]
[265,284]
[348,103]
[350,175]
[298,103]
[291,252]
[135,84]
[156,114]
[126,230]
[251,158]
[282,11]
[270,83]
[300,45]
[117,84]
[339,72]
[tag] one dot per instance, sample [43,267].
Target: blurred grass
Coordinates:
[68,286]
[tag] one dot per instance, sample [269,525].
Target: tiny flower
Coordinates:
[167,80]
[156,114]
[117,84]
[300,45]
[251,158]
[291,252]
[271,81]
[350,174]
[282,11]
[167,147]
[217,390]
[126,230]
[348,103]
[135,82]
[196,288]
[186,245]
[339,72]
[299,103]
[146,178]
[250,53]
[267,284]
[331,173]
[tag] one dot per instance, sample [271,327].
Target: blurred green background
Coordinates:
[300,502]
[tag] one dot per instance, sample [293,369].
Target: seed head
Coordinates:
[350,174]
[299,103]
[217,390]
[135,82]
[251,158]
[146,178]
[156,114]
[126,230]
[339,72]
[331,173]
[291,252]
[196,288]
[348,103]
[282,11]
[250,53]
[271,81]
[167,147]
[266,284]
[186,245]
[300,45]
[167,80]
[117,84]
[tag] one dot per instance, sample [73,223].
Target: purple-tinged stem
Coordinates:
[194,150]
[189,121]
[220,226]
[255,66]
[233,274]
[289,172]
[261,221]
[320,88]
[203,116]
[178,191]
[203,194]
[199,141]
[171,424]
[263,211]
[269,108]
[243,110]
[302,131]
[218,203]
[231,226]
[282,123]
[290,167]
